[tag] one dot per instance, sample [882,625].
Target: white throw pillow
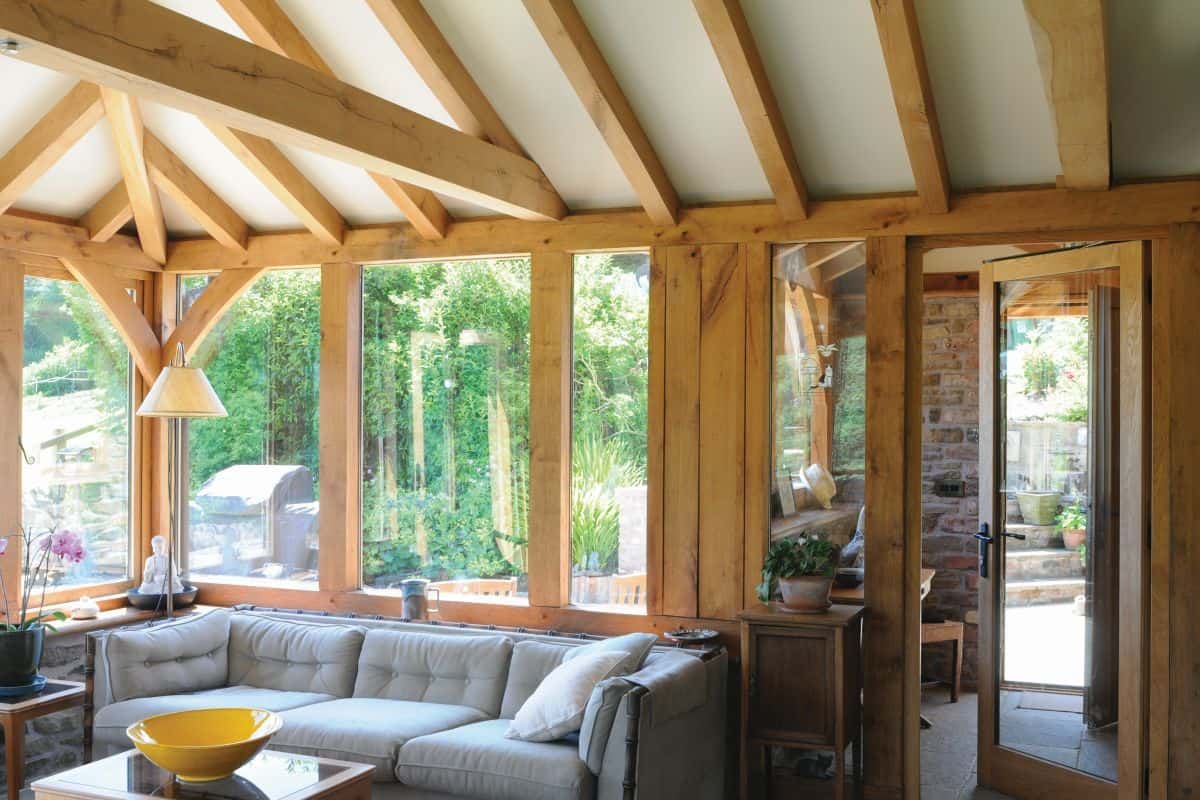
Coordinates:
[556,707]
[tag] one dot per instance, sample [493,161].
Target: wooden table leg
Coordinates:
[956,665]
[14,741]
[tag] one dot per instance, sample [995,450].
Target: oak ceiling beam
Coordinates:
[119,306]
[268,26]
[129,134]
[423,44]
[112,212]
[904,56]
[175,178]
[589,74]
[1069,38]
[204,313]
[268,163]
[48,140]
[142,48]
[742,64]
[43,237]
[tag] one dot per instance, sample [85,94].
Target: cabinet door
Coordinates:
[792,685]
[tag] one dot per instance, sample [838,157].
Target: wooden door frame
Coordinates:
[1133,259]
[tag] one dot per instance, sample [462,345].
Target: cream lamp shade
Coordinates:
[181,392]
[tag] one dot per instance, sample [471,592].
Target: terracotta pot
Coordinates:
[806,595]
[1072,539]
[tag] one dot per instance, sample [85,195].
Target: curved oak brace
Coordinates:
[122,312]
[208,308]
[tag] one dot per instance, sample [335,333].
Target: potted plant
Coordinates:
[1038,508]
[1072,523]
[23,633]
[803,570]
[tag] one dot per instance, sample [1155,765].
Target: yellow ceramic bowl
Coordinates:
[205,744]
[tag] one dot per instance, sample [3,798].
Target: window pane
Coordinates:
[253,476]
[75,428]
[819,399]
[446,426]
[608,439]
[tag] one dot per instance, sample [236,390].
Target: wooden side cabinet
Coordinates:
[801,688]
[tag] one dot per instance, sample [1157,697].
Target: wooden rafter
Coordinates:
[129,133]
[1069,38]
[268,26]
[175,178]
[589,74]
[742,64]
[112,212]
[140,47]
[288,184]
[843,264]
[121,310]
[46,142]
[208,308]
[900,38]
[43,237]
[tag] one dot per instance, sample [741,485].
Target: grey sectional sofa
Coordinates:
[428,706]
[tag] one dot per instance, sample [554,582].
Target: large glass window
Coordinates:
[446,426]
[819,399]
[75,429]
[253,479]
[608,441]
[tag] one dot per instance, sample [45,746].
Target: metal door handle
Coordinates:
[985,539]
[1020,536]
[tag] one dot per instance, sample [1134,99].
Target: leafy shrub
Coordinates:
[1072,517]
[598,468]
[795,558]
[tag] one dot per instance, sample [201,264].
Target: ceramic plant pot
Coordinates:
[1038,508]
[806,595]
[20,655]
[1072,539]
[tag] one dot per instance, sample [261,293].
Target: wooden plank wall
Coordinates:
[12,335]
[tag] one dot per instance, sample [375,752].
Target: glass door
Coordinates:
[1062,531]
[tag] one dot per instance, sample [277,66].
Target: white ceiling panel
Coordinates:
[79,178]
[991,103]
[826,68]
[207,11]
[507,57]
[1154,93]
[679,93]
[217,167]
[29,92]
[349,188]
[177,220]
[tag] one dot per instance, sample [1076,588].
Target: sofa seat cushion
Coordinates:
[366,730]
[478,761]
[112,720]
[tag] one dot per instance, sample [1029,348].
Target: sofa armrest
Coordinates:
[663,746]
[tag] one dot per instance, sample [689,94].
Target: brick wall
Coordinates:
[950,450]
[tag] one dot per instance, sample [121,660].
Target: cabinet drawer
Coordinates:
[793,685]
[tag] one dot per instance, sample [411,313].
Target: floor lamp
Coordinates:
[180,392]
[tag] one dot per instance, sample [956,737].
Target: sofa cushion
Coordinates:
[478,761]
[636,646]
[557,707]
[183,656]
[598,720]
[112,720]
[366,730]
[531,662]
[431,668]
[293,656]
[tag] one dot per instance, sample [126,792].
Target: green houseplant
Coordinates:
[803,570]
[1072,523]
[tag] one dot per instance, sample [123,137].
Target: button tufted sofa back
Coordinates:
[293,656]
[185,656]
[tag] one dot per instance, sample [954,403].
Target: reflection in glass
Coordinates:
[75,429]
[608,439]
[1058,363]
[445,391]
[819,394]
[253,476]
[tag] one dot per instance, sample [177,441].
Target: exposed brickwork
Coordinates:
[950,451]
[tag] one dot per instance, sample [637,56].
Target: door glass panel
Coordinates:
[1058,455]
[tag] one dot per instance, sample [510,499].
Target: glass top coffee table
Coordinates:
[270,775]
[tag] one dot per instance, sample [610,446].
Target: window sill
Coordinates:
[112,618]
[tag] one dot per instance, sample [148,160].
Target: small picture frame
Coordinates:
[787,497]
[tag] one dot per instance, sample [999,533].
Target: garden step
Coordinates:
[1032,593]
[1042,564]
[1037,537]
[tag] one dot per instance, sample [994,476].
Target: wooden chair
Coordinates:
[949,631]
[628,590]
[489,587]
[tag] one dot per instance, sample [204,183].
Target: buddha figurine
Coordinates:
[154,574]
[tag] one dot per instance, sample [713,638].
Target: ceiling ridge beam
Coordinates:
[76,113]
[1069,38]
[122,312]
[588,72]
[204,205]
[269,164]
[904,57]
[269,26]
[208,308]
[129,134]
[111,212]
[140,47]
[740,60]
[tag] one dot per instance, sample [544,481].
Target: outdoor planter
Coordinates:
[1072,539]
[1038,508]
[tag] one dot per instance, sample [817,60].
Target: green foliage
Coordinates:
[1072,517]
[598,468]
[795,558]
[1047,363]
[850,405]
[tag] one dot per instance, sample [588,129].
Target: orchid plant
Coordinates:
[38,551]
